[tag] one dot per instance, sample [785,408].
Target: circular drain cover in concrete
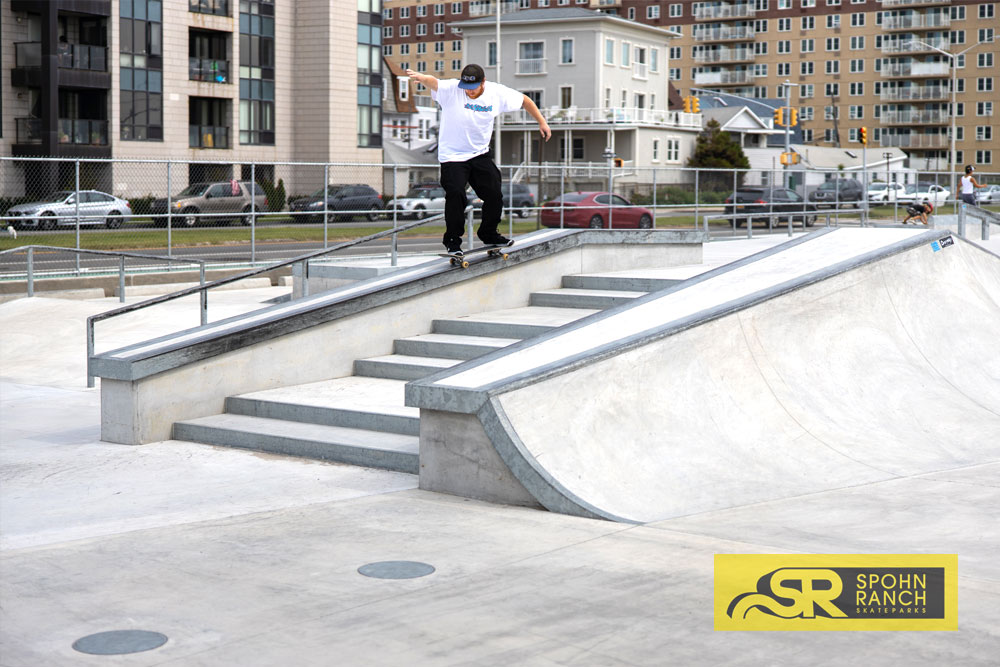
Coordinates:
[396,569]
[119,642]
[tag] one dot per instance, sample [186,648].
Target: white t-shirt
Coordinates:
[467,124]
[967,188]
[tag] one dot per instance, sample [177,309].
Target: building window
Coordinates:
[807,136]
[784,4]
[857,20]
[807,45]
[808,3]
[852,134]
[833,43]
[856,88]
[217,7]
[676,10]
[784,69]
[609,52]
[566,51]
[784,46]
[654,60]
[832,89]
[833,20]
[404,31]
[806,67]
[806,91]
[404,12]
[439,9]
[141,70]
[984,84]
[626,54]
[807,113]
[656,150]
[984,157]
[257,72]
[833,67]
[984,132]
[986,11]
[369,77]
[653,12]
[578,148]
[421,29]
[984,60]
[457,7]
[675,74]
[673,150]
[784,25]
[807,23]
[421,11]
[760,70]
[438,47]
[760,48]
[856,112]
[491,54]
[958,13]
[858,43]
[439,28]
[986,34]
[832,3]
[208,122]
[421,48]
[857,65]
[760,25]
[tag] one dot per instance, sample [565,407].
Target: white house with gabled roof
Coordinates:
[602,83]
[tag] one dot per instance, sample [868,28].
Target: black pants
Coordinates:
[483,175]
[969,198]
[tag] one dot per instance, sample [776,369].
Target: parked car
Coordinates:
[60,208]
[838,191]
[346,201]
[756,203]
[885,192]
[989,194]
[523,199]
[203,202]
[419,203]
[925,192]
[596,210]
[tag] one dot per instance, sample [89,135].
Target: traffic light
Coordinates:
[863,136]
[687,104]
[695,105]
[619,162]
[779,116]
[793,117]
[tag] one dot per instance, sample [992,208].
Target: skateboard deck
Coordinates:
[490,251]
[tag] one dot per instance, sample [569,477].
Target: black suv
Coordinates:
[755,202]
[347,200]
[839,190]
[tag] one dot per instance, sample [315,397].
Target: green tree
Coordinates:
[715,149]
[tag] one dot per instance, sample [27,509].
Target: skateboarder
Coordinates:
[968,185]
[468,107]
[919,211]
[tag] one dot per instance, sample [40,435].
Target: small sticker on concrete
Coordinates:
[942,243]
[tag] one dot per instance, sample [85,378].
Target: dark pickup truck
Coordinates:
[755,203]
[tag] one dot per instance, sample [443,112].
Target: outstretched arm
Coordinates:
[532,109]
[426,79]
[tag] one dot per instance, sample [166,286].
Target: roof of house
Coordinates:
[738,119]
[395,154]
[850,158]
[395,104]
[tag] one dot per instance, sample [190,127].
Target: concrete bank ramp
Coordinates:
[847,357]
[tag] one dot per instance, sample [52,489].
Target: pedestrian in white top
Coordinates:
[468,107]
[968,185]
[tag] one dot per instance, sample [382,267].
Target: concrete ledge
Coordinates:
[82,293]
[167,288]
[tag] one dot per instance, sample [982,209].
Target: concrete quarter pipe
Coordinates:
[844,358]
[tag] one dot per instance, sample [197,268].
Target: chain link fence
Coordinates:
[258,213]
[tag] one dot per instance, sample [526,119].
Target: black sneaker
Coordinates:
[497,239]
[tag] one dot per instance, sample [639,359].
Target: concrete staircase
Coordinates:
[362,419]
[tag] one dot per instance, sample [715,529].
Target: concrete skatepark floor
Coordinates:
[244,558]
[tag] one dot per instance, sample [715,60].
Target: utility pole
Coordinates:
[836,116]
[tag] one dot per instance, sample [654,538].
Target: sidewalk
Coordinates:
[242,558]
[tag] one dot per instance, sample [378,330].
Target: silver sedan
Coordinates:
[988,195]
[60,208]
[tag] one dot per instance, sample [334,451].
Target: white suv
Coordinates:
[419,203]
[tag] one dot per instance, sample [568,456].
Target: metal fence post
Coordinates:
[469,214]
[90,352]
[961,220]
[395,219]
[203,294]
[77,200]
[696,197]
[654,197]
[170,214]
[31,271]
[121,279]
[253,214]
[326,206]
[562,191]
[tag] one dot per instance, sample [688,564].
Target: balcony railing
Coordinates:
[723,55]
[915,117]
[205,69]
[914,140]
[208,136]
[914,93]
[909,45]
[640,70]
[722,34]
[487,8]
[604,116]
[912,3]
[69,56]
[914,69]
[916,21]
[722,78]
[530,66]
[740,11]
[217,7]
[83,132]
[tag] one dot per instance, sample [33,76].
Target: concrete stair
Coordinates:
[361,419]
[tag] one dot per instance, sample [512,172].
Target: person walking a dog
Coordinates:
[469,106]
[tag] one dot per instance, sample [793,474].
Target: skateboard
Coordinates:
[490,250]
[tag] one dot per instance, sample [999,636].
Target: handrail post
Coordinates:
[395,219]
[90,351]
[305,277]
[121,279]
[31,271]
[203,293]
[77,200]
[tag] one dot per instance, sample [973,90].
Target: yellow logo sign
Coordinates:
[836,592]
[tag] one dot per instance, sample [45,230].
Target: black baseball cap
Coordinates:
[472,77]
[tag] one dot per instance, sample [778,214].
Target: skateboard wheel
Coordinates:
[465,265]
[505,256]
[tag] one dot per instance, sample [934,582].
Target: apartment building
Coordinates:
[857,63]
[225,82]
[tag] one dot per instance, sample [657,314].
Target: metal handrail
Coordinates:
[202,290]
[114,253]
[986,218]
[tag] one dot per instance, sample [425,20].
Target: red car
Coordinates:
[595,210]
